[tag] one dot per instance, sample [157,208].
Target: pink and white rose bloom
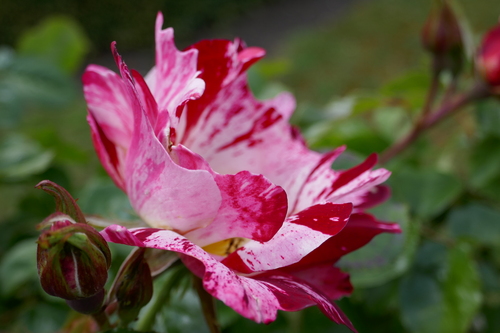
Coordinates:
[222,179]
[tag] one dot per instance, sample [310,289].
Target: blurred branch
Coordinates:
[429,118]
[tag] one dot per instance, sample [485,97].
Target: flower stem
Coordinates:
[102,320]
[207,305]
[161,298]
[431,95]
[429,119]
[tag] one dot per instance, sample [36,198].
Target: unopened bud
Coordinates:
[133,286]
[442,36]
[73,260]
[488,59]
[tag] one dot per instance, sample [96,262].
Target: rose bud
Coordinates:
[73,260]
[442,36]
[133,286]
[488,59]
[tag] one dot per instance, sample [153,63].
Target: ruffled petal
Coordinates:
[252,207]
[328,279]
[174,80]
[295,294]
[234,131]
[371,197]
[164,194]
[109,103]
[355,182]
[358,232]
[300,235]
[110,118]
[352,185]
[255,298]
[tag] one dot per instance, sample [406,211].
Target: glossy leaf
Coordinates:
[18,267]
[461,290]
[21,157]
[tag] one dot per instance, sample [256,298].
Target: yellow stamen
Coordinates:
[225,247]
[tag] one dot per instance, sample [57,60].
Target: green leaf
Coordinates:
[493,319]
[488,116]
[485,162]
[490,280]
[43,317]
[391,122]
[442,295]
[461,290]
[431,258]
[427,192]
[20,157]
[18,267]
[421,302]
[183,314]
[387,255]
[102,198]
[27,82]
[475,222]
[410,87]
[356,134]
[57,39]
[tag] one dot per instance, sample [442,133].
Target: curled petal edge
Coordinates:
[254,298]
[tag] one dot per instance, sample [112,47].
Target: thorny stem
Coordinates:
[429,119]
[207,305]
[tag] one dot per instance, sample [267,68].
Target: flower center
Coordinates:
[225,247]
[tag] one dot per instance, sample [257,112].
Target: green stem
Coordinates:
[161,298]
[431,95]
[207,305]
[102,320]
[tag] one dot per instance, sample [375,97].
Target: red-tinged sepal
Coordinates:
[133,287]
[64,201]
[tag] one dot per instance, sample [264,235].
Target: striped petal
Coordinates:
[255,298]
[300,235]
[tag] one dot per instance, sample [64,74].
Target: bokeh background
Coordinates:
[359,75]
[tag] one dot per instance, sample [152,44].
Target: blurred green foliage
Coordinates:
[359,82]
[129,23]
